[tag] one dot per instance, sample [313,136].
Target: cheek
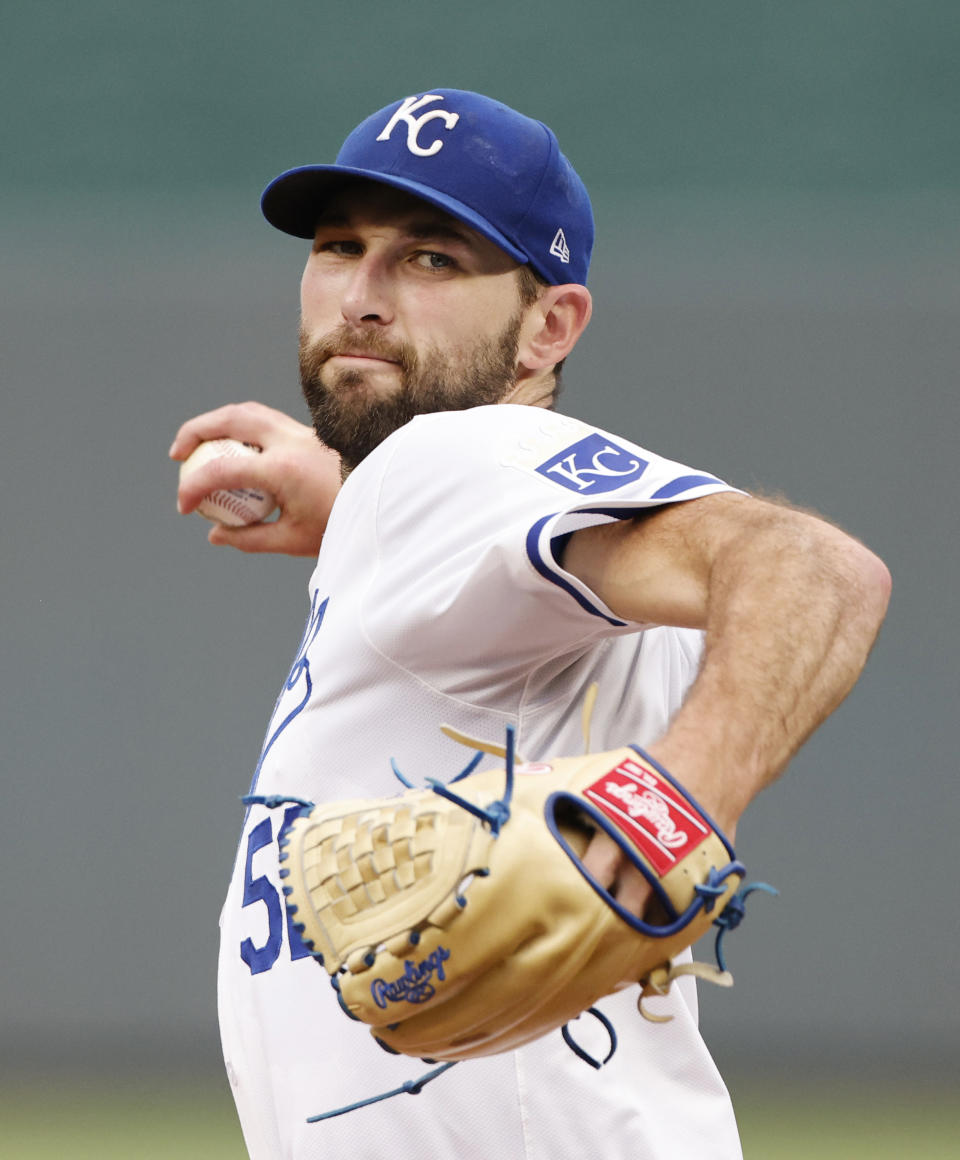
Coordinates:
[308,292]
[454,324]
[317,295]
[305,296]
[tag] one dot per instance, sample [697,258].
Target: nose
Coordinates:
[367,297]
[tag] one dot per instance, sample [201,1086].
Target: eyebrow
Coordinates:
[421,230]
[438,229]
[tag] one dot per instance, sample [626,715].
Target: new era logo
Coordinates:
[559,247]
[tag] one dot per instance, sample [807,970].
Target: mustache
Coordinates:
[347,340]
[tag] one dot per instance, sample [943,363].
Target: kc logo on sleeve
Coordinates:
[592,465]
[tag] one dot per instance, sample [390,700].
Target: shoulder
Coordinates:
[485,430]
[532,451]
[544,446]
[480,446]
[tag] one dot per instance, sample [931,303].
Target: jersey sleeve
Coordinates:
[473,510]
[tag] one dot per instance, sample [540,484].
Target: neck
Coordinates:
[537,391]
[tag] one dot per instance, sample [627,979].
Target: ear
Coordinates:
[553,325]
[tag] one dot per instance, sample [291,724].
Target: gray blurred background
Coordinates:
[777,285]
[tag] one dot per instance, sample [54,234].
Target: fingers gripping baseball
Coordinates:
[237,506]
[293,467]
[249,422]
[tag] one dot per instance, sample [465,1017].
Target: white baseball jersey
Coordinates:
[438,598]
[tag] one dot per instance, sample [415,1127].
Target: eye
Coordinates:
[340,246]
[434,260]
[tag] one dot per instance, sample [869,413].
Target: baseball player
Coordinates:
[483,561]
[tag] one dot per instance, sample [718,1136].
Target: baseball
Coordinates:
[238,506]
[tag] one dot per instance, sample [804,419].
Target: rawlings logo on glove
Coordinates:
[414,986]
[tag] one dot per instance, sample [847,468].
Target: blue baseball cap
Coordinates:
[484,163]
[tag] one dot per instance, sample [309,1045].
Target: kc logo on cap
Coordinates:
[415,124]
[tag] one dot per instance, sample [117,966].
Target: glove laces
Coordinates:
[659,980]
[495,815]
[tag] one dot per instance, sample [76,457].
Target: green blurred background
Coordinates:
[777,188]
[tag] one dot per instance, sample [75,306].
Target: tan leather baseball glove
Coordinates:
[461,922]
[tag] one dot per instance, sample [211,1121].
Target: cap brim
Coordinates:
[293,201]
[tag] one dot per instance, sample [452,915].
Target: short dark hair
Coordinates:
[531,285]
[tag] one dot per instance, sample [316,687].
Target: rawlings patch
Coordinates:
[592,465]
[656,818]
[414,985]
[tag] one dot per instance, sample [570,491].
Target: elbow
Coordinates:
[883,586]
[883,581]
[860,581]
[870,585]
[859,578]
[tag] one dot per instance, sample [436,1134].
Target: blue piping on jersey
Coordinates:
[671,490]
[300,668]
[533,552]
[683,483]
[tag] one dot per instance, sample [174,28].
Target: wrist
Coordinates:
[707,785]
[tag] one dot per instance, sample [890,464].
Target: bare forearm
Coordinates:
[790,607]
[793,609]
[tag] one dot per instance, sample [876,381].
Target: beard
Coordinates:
[348,417]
